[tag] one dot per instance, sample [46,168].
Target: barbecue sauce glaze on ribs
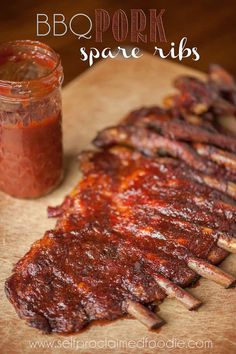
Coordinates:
[133,216]
[114,234]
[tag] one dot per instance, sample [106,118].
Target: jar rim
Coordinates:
[25,88]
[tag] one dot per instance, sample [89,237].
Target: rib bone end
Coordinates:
[143,315]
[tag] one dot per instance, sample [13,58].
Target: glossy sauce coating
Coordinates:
[31,157]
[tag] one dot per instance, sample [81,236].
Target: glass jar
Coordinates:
[31,156]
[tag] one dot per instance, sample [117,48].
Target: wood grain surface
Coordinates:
[98,98]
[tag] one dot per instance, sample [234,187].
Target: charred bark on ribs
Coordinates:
[138,226]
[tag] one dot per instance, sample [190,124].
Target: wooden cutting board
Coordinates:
[97,99]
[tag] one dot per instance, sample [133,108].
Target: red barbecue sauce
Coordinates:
[31,154]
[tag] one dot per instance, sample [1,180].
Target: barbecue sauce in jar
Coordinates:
[31,154]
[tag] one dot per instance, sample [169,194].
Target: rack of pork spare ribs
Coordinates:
[155,210]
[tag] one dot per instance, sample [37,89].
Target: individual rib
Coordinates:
[226,187]
[137,117]
[143,315]
[217,206]
[198,96]
[178,293]
[217,155]
[211,272]
[195,95]
[228,244]
[221,78]
[151,143]
[181,130]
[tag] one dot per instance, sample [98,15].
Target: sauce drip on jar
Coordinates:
[31,156]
